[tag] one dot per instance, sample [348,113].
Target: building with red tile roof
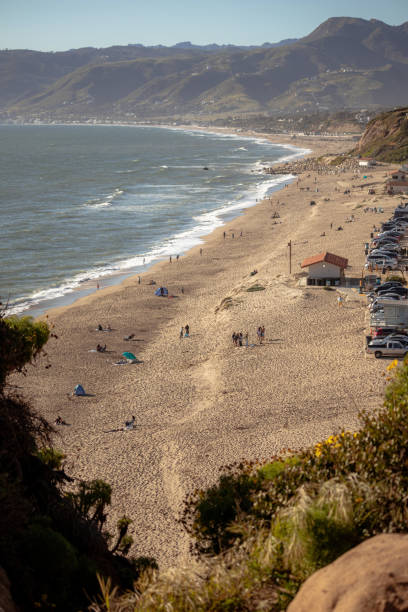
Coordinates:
[327,257]
[325,268]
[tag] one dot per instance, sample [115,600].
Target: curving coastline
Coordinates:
[200,402]
[185,203]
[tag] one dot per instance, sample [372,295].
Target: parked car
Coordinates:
[381,341]
[387,285]
[396,336]
[390,348]
[380,258]
[390,240]
[402,291]
[384,252]
[388,264]
[389,295]
[383,332]
[384,298]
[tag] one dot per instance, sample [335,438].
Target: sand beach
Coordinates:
[201,402]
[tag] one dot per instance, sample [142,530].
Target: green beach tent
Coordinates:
[128,355]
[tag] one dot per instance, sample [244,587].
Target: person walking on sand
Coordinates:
[259,334]
[181,332]
[224,235]
[240,336]
[170,259]
[246,339]
[201,251]
[340,301]
[187,331]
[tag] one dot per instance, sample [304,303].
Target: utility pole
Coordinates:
[290,257]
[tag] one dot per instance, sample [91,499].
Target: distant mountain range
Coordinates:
[344,63]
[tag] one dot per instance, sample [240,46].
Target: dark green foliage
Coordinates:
[124,541]
[51,457]
[143,563]
[21,340]
[53,562]
[208,514]
[328,538]
[90,500]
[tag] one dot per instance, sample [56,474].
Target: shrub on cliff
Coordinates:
[21,340]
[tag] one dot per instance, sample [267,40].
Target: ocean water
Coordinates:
[82,204]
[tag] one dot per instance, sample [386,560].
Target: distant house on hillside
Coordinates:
[325,269]
[367,162]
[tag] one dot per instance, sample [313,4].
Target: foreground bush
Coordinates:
[277,523]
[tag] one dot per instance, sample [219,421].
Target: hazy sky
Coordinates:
[57,25]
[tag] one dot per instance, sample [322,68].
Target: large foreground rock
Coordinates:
[372,577]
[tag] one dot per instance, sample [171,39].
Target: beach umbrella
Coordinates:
[129,355]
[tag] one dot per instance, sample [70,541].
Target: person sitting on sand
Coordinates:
[129,424]
[100,328]
[59,421]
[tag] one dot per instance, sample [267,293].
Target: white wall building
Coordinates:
[325,269]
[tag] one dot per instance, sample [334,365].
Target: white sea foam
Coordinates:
[104,201]
[179,243]
[201,224]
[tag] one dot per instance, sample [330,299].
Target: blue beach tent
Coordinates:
[161,291]
[79,390]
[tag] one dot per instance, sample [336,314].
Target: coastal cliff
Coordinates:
[386,137]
